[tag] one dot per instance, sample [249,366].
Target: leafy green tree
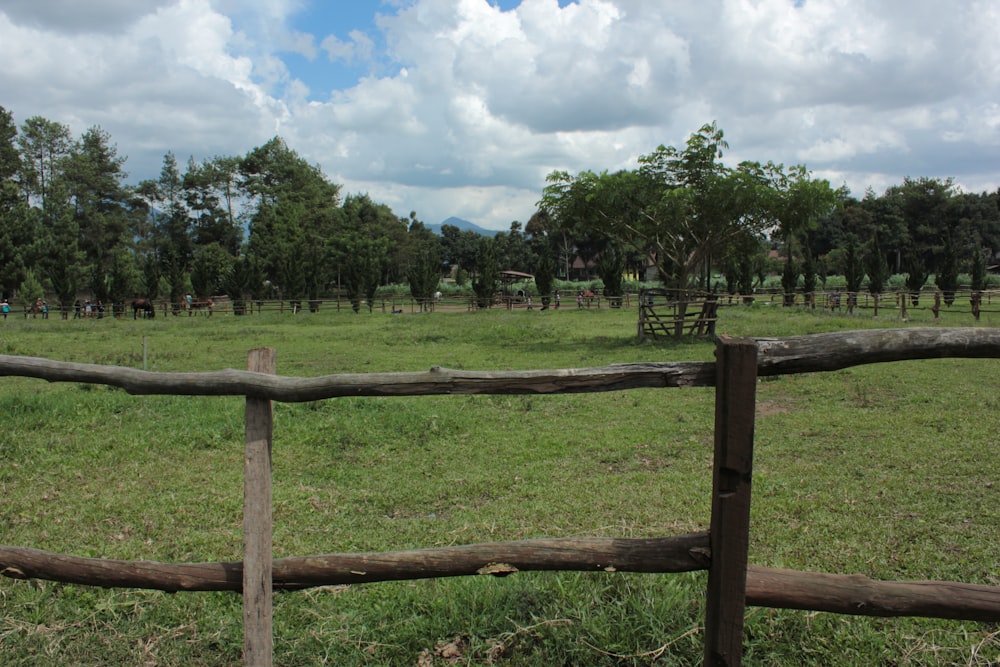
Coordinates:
[424,277]
[212,193]
[796,202]
[31,288]
[747,271]
[809,273]
[513,250]
[365,218]
[545,276]
[403,246]
[424,262]
[886,219]
[925,204]
[730,271]
[274,242]
[741,263]
[94,179]
[564,216]
[242,281]
[458,248]
[150,277]
[876,266]
[124,278]
[16,221]
[574,209]
[361,261]
[916,274]
[854,269]
[293,216]
[212,264]
[590,244]
[10,159]
[62,263]
[978,216]
[173,275]
[789,279]
[611,269]
[417,240]
[701,205]
[44,145]
[946,278]
[682,206]
[486,282]
[171,229]
[848,217]
[978,273]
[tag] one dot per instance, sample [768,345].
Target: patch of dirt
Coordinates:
[450,652]
[768,408]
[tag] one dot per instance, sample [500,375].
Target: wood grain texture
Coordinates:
[682,553]
[257,554]
[767,587]
[776,356]
[732,471]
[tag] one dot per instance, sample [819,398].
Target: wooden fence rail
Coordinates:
[733,583]
[769,587]
[776,356]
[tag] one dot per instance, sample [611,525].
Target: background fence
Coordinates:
[722,550]
[901,304]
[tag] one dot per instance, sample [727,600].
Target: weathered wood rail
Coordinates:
[733,583]
[777,356]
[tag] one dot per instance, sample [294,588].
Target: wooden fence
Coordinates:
[732,582]
[674,313]
[902,304]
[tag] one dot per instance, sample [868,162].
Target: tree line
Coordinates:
[270,225]
[690,214]
[263,225]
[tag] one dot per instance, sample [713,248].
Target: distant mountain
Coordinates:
[463,225]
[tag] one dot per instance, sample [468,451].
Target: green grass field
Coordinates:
[887,470]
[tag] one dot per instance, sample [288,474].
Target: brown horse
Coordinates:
[144,305]
[200,304]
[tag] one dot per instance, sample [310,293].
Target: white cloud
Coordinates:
[465,108]
[74,17]
[359,49]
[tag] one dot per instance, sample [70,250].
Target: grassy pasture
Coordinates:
[887,470]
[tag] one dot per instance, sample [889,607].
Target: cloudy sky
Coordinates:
[461,107]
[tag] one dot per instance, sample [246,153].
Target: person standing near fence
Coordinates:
[4,308]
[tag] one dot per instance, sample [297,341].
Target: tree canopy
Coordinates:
[269,224]
[684,208]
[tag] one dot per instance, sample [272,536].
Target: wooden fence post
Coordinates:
[257,567]
[735,403]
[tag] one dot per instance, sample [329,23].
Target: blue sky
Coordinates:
[341,18]
[461,107]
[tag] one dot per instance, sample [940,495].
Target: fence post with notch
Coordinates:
[729,534]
